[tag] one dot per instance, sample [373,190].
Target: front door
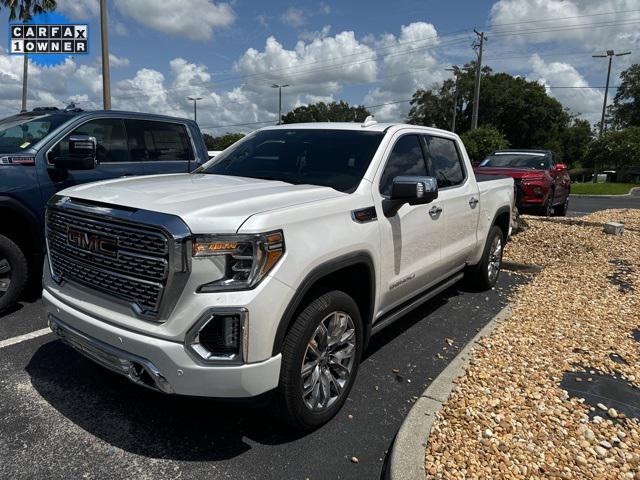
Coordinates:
[410,243]
[113,160]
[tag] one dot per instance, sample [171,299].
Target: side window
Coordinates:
[405,159]
[110,138]
[444,161]
[158,141]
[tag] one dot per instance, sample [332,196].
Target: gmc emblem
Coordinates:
[92,242]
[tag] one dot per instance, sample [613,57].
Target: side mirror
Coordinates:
[561,167]
[82,154]
[411,190]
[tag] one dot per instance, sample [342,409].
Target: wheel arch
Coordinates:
[21,225]
[336,274]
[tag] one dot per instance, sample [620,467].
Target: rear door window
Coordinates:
[156,141]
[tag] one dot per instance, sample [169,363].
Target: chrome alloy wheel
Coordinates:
[495,259]
[328,361]
[5,275]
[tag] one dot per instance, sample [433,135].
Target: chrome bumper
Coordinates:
[135,368]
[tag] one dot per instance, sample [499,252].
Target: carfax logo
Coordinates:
[66,39]
[48,39]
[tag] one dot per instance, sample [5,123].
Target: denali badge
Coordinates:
[92,242]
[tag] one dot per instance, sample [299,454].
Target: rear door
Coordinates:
[410,240]
[162,147]
[458,197]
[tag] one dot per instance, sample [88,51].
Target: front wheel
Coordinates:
[13,272]
[561,210]
[485,275]
[320,360]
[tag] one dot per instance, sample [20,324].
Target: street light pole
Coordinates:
[456,71]
[104,37]
[195,107]
[279,87]
[610,54]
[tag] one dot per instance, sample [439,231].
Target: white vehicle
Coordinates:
[269,267]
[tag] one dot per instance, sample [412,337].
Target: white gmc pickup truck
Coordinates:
[268,268]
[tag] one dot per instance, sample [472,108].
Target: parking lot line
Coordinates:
[26,336]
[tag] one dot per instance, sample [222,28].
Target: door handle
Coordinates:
[473,201]
[433,211]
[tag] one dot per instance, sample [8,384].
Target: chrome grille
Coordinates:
[137,272]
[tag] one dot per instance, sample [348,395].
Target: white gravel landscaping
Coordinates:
[574,323]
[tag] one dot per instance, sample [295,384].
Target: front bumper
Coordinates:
[157,363]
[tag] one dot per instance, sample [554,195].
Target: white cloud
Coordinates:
[406,67]
[586,24]
[584,100]
[294,17]
[315,35]
[79,9]
[195,19]
[118,62]
[319,68]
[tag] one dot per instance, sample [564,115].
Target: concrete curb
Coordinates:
[521,267]
[634,192]
[408,453]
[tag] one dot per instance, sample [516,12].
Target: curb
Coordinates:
[633,192]
[521,267]
[408,453]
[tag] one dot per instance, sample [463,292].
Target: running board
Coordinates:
[415,303]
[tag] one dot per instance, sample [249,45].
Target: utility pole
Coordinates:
[479,45]
[106,76]
[195,107]
[456,71]
[279,87]
[25,77]
[610,54]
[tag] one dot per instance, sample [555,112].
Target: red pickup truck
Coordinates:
[542,185]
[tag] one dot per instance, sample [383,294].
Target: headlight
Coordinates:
[248,258]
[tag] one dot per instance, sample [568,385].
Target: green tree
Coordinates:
[24,9]
[575,141]
[615,150]
[222,142]
[323,112]
[521,109]
[625,111]
[482,141]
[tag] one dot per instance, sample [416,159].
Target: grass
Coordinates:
[602,188]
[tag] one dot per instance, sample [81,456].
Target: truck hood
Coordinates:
[510,172]
[207,203]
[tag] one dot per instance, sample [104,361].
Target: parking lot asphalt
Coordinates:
[61,416]
[584,204]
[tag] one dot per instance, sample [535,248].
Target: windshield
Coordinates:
[330,158]
[534,161]
[20,132]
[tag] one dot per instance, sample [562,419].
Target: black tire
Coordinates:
[561,210]
[291,401]
[14,272]
[547,209]
[479,276]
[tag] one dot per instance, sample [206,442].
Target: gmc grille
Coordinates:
[134,269]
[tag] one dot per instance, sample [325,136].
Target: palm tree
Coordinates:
[25,9]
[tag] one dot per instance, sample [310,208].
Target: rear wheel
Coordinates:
[561,210]
[320,359]
[485,275]
[13,272]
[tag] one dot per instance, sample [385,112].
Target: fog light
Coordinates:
[537,191]
[220,336]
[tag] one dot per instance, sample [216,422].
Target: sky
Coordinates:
[371,53]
